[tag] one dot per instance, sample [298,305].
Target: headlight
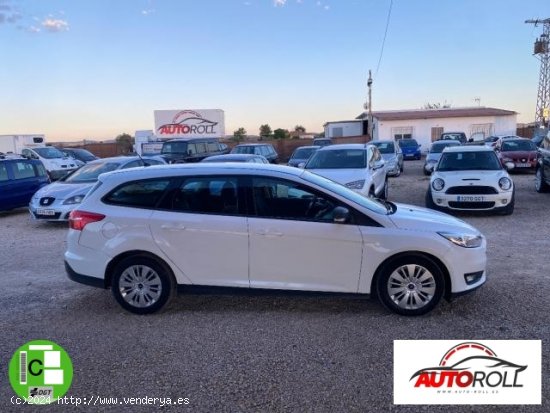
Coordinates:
[507,160]
[505,183]
[463,240]
[77,199]
[356,184]
[438,184]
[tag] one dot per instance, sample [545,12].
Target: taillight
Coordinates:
[79,219]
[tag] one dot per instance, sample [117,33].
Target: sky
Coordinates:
[93,69]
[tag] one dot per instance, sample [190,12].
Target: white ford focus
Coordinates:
[145,232]
[470,178]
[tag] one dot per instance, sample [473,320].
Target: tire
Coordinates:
[385,189]
[410,285]
[425,172]
[540,183]
[142,285]
[429,201]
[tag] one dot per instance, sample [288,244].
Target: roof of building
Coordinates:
[437,113]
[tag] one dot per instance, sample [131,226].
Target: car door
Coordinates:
[294,243]
[25,182]
[202,231]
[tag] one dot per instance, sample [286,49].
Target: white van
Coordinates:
[56,163]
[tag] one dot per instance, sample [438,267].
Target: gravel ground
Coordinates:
[256,352]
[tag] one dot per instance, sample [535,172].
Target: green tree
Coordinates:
[281,133]
[265,131]
[299,129]
[125,142]
[239,134]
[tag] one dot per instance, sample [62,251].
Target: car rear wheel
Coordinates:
[142,285]
[540,183]
[410,285]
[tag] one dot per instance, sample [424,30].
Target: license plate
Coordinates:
[523,165]
[45,212]
[469,198]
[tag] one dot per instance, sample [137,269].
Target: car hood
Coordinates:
[463,178]
[63,190]
[61,163]
[411,217]
[342,176]
[519,154]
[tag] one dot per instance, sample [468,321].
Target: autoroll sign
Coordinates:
[189,123]
[467,372]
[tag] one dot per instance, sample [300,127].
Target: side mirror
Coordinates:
[509,166]
[340,215]
[302,165]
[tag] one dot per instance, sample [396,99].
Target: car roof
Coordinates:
[252,144]
[230,156]
[120,159]
[473,148]
[207,168]
[382,141]
[447,142]
[344,146]
[308,147]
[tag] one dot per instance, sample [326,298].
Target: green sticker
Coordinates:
[40,372]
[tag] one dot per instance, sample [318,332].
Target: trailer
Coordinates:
[14,144]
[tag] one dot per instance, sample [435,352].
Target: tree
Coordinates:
[239,134]
[125,142]
[265,131]
[299,129]
[437,105]
[281,133]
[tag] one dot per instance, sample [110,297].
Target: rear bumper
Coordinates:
[84,279]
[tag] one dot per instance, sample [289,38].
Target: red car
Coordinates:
[519,151]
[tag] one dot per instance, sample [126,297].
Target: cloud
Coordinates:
[55,25]
[147,12]
[279,3]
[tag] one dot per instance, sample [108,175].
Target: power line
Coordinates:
[384,40]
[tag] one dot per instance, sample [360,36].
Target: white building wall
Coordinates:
[348,129]
[422,128]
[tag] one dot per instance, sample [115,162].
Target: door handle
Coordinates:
[269,233]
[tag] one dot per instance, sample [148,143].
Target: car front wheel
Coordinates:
[410,285]
[141,285]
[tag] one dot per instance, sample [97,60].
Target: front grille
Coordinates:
[471,205]
[471,190]
[48,200]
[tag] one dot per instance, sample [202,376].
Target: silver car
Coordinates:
[392,155]
[434,154]
[55,202]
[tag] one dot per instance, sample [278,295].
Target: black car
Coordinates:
[191,150]
[265,149]
[457,136]
[542,172]
[19,180]
[79,154]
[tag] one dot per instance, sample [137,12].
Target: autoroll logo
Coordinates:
[468,372]
[187,122]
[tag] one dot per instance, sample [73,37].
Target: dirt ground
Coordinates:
[252,352]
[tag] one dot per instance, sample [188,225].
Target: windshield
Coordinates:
[350,195]
[438,147]
[385,147]
[408,143]
[174,147]
[82,154]
[49,153]
[338,159]
[467,161]
[91,171]
[303,153]
[509,146]
[456,136]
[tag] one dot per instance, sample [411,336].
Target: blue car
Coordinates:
[410,148]
[19,180]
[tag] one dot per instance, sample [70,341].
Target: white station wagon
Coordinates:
[470,178]
[144,232]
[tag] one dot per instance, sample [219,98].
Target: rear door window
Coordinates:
[23,170]
[138,194]
[3,172]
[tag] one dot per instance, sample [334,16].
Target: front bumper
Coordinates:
[393,169]
[485,202]
[53,212]
[462,262]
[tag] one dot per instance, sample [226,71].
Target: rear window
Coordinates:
[138,194]
[3,172]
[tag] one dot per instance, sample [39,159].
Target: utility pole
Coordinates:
[368,107]
[542,52]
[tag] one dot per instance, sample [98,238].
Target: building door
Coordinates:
[436,132]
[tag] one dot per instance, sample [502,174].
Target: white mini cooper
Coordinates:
[470,178]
